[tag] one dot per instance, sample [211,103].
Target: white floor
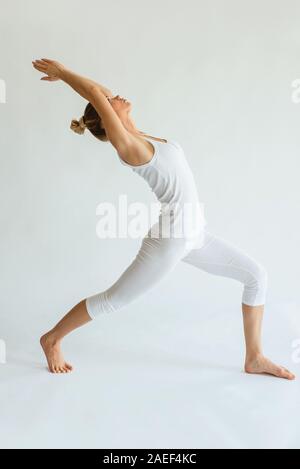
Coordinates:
[165,380]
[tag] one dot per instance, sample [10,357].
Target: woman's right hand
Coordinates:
[51,68]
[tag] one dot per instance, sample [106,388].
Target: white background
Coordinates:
[215,76]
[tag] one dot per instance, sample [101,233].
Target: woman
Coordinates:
[163,165]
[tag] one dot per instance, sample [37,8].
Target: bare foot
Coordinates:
[54,356]
[261,365]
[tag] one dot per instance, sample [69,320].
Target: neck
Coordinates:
[130,125]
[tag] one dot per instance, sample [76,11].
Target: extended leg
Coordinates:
[219,257]
[155,259]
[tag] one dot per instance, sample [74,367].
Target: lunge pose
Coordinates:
[163,165]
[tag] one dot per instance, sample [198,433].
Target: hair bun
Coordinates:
[78,126]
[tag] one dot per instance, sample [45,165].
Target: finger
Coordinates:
[49,78]
[47,60]
[41,64]
[40,68]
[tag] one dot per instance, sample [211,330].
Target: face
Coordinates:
[120,105]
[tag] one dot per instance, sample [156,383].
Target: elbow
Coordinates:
[93,92]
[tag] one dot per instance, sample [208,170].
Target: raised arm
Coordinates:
[56,71]
[93,92]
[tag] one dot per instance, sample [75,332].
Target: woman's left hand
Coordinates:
[51,68]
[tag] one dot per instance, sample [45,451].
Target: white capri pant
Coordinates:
[158,256]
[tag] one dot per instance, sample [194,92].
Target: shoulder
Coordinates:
[136,151]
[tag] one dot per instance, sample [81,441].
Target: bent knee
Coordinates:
[257,277]
[256,286]
[261,276]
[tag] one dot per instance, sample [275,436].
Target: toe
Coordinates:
[279,372]
[282,373]
[288,374]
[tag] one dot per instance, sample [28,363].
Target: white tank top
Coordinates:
[171,180]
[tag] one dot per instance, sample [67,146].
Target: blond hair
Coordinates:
[91,121]
[78,126]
